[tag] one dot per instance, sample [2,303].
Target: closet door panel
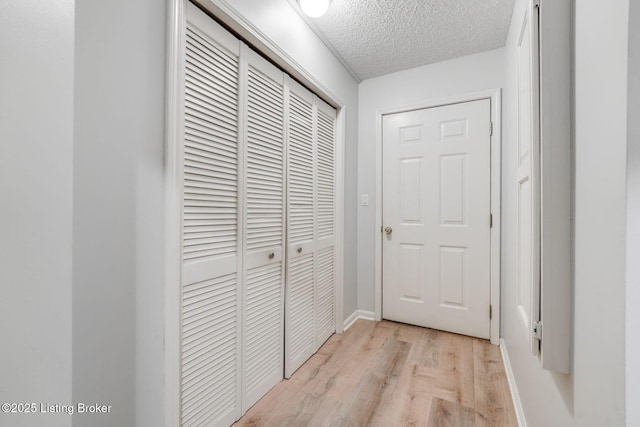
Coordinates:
[300,304]
[263,348]
[325,230]
[210,226]
[300,167]
[300,334]
[325,310]
[263,336]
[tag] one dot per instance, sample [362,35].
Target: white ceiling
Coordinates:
[377,37]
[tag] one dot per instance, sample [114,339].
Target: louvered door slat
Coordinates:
[210,304]
[300,323]
[213,165]
[201,132]
[326,174]
[265,116]
[301,336]
[202,367]
[263,325]
[325,223]
[263,339]
[301,191]
[325,317]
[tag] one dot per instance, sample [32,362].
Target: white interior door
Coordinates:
[263,294]
[436,216]
[301,255]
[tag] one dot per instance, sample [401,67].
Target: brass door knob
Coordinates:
[272,255]
[299,250]
[388,230]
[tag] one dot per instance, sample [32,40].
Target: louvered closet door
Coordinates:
[258,160]
[210,329]
[300,303]
[325,222]
[263,332]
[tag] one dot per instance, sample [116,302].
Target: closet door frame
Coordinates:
[299,250]
[174,146]
[173,173]
[175,219]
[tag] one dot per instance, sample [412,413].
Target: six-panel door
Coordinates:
[436,205]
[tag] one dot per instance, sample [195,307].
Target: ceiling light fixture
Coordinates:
[314,8]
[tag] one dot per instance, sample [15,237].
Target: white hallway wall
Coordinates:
[633,221]
[118,232]
[36,187]
[594,394]
[459,76]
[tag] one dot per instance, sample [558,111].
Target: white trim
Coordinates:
[173,214]
[531,19]
[377,275]
[496,140]
[358,314]
[517,403]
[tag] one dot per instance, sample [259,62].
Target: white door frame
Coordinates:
[496,137]
[176,20]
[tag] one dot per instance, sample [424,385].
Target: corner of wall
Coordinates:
[513,387]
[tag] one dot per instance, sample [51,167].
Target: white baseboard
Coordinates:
[350,320]
[367,315]
[517,404]
[358,314]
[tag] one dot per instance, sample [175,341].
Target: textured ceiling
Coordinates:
[377,37]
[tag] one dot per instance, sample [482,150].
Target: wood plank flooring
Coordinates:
[389,374]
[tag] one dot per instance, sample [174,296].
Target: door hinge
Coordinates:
[490,312]
[490,128]
[490,220]
[537,330]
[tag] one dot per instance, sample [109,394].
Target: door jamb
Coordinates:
[494,95]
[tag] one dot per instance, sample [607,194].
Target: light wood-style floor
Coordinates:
[389,374]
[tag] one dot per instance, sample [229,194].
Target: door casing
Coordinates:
[494,97]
